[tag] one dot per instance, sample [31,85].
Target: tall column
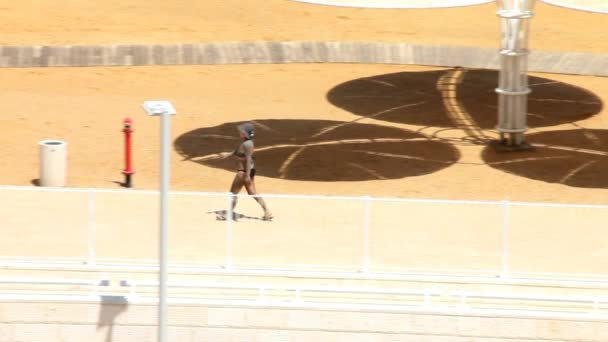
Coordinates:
[513,81]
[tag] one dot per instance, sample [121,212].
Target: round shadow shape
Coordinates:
[441,98]
[322,150]
[577,158]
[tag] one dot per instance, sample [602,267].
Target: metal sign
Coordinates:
[159,107]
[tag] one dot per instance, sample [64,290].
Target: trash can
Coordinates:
[53,160]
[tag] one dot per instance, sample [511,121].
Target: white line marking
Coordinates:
[575,171]
[369,171]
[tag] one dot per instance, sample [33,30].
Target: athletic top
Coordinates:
[241,156]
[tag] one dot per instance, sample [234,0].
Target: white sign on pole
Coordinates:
[159,107]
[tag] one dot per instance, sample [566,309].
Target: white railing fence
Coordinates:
[314,233]
[390,297]
[317,297]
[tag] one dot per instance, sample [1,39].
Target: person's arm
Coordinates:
[248,147]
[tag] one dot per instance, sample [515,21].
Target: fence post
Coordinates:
[505,239]
[92,255]
[229,236]
[366,212]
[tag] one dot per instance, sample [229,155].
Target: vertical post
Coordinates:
[92,254]
[164,109]
[128,171]
[366,211]
[164,224]
[505,239]
[229,232]
[513,80]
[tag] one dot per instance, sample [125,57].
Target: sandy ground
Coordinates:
[85,107]
[183,21]
[392,131]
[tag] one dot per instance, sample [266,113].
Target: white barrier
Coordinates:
[503,224]
[423,300]
[429,298]
[60,287]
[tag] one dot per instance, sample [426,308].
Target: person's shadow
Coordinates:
[222,215]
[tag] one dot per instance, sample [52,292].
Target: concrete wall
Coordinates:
[78,322]
[292,52]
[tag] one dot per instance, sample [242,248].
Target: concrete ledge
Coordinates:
[51,322]
[292,52]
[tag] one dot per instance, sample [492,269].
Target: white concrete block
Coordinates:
[438,325]
[180,334]
[188,316]
[80,333]
[38,332]
[389,323]
[112,314]
[23,312]
[126,333]
[572,331]
[497,327]
[273,336]
[226,317]
[266,318]
[73,313]
[7,332]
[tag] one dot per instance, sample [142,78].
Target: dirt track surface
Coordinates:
[72,22]
[422,148]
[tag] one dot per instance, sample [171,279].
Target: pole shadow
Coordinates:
[110,308]
[577,158]
[322,150]
[458,97]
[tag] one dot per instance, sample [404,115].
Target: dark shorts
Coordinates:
[251,173]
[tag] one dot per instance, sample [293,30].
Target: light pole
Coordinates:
[513,80]
[163,109]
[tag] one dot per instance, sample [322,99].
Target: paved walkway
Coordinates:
[461,237]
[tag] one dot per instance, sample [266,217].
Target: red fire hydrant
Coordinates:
[128,171]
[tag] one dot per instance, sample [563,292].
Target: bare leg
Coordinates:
[252,191]
[235,188]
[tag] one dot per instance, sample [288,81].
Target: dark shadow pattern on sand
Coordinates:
[577,158]
[322,150]
[421,98]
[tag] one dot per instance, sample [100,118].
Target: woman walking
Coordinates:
[245,169]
